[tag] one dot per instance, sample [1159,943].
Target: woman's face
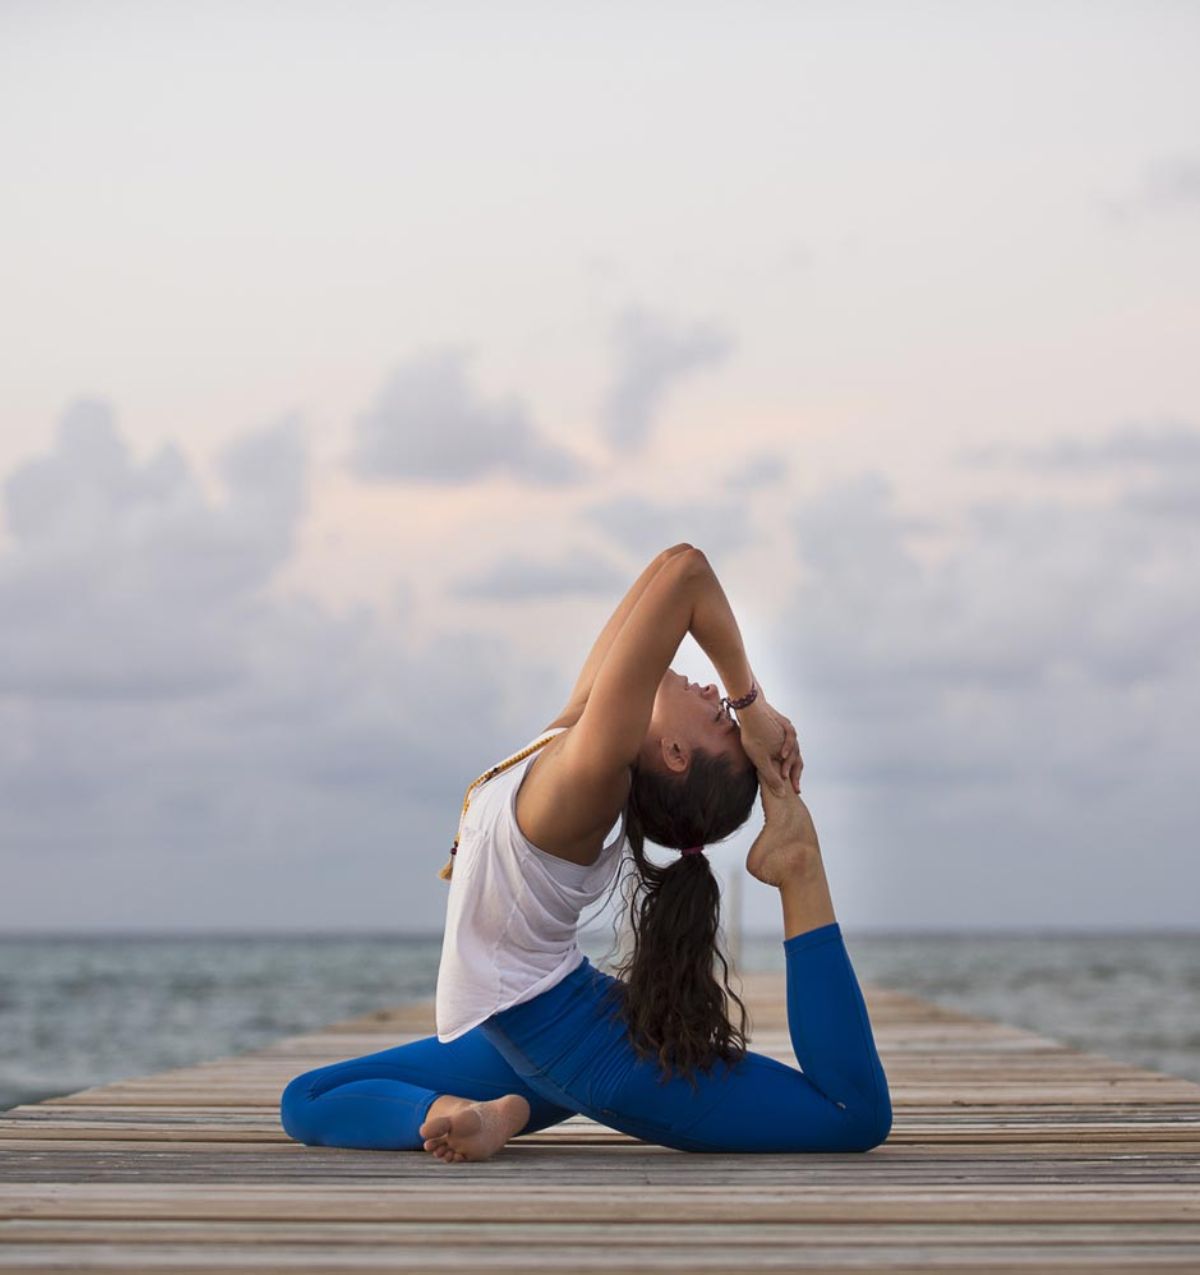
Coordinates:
[687,716]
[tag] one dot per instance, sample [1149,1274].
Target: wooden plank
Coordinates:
[480,1200]
[518,1234]
[564,1248]
[612,1258]
[1004,1138]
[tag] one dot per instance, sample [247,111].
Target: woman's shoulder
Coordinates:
[554,814]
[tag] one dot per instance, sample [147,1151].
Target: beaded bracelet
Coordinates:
[745,701]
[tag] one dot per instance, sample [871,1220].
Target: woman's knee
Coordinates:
[294,1104]
[872,1125]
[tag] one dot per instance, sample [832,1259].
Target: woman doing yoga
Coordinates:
[529,1032]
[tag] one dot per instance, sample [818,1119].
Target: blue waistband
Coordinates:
[583,987]
[567,988]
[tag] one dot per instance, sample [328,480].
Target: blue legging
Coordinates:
[565,1051]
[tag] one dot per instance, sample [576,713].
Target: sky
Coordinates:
[356,359]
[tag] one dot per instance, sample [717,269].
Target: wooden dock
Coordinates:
[1009,1152]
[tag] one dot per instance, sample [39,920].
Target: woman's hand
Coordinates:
[770,742]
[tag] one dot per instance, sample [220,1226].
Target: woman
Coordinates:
[529,1032]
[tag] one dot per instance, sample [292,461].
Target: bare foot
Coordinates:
[773,862]
[787,844]
[458,1129]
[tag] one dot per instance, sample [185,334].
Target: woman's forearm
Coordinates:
[716,631]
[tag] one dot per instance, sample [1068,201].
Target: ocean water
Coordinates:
[77,1011]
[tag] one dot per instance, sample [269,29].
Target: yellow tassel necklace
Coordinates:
[448,871]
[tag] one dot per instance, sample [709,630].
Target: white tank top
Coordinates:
[513,908]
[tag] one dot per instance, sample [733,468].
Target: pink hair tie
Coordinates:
[692,850]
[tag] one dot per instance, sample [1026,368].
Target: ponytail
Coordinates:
[676,1010]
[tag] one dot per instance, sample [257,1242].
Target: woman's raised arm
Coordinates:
[601,646]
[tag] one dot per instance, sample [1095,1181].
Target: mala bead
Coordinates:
[447,871]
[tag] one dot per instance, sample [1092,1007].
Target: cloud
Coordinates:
[1004,721]
[1167,445]
[427,423]
[767,469]
[1160,464]
[181,741]
[519,578]
[652,354]
[122,577]
[1166,184]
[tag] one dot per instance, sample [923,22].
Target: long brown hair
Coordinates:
[676,1010]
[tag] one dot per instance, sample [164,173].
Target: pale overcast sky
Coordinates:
[356,358]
